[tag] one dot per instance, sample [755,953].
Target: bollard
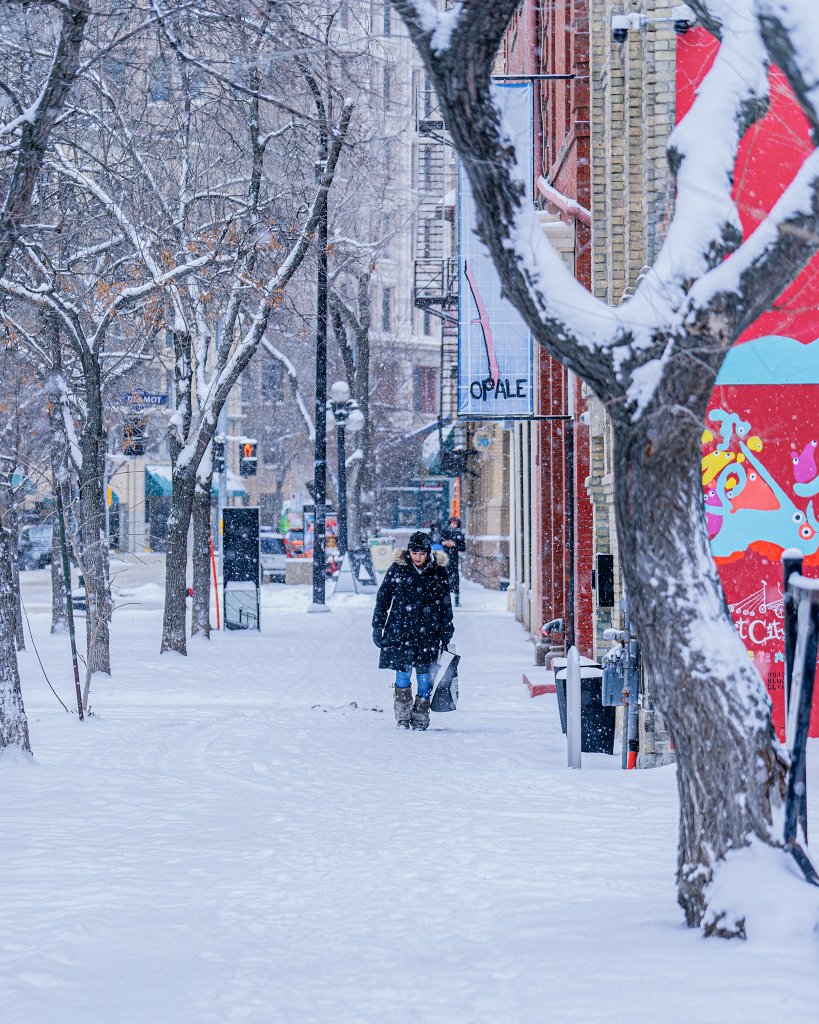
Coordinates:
[573,728]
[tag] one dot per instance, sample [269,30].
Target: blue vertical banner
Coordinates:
[495,347]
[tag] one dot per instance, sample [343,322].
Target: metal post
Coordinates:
[791,563]
[342,485]
[633,669]
[570,530]
[69,607]
[320,458]
[796,810]
[573,701]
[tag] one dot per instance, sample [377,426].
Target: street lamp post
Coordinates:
[344,413]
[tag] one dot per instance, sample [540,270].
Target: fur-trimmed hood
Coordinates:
[402,557]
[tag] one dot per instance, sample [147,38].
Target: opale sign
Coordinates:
[495,369]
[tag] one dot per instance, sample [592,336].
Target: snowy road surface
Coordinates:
[242,835]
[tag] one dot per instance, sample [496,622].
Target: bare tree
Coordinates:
[267,210]
[25,132]
[31,122]
[653,362]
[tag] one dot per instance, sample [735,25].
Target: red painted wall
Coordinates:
[781,421]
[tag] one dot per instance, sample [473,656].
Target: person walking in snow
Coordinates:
[412,622]
[453,542]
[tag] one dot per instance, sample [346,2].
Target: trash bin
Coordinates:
[596,720]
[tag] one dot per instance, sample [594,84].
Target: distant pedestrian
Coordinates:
[453,540]
[435,536]
[412,622]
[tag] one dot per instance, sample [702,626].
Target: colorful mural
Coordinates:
[759,468]
[760,481]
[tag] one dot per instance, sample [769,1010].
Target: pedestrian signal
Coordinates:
[247,458]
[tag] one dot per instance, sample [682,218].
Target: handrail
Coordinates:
[563,203]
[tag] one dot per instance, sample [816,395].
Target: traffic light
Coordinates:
[218,455]
[247,458]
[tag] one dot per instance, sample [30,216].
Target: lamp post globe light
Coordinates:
[344,413]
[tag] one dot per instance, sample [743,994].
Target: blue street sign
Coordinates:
[143,398]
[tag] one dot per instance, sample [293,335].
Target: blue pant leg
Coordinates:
[424,678]
[402,679]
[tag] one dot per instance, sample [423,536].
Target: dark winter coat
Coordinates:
[456,534]
[414,611]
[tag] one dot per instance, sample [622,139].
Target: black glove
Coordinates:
[377,636]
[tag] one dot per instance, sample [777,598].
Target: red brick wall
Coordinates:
[562,31]
[552,37]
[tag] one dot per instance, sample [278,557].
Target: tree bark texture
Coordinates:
[200,615]
[93,543]
[13,523]
[176,563]
[59,615]
[37,127]
[13,721]
[729,770]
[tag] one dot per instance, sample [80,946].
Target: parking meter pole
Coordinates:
[221,500]
[68,602]
[573,724]
[791,563]
[633,703]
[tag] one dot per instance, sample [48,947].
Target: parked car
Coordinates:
[273,555]
[294,543]
[34,546]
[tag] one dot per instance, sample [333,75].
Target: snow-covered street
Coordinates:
[243,835]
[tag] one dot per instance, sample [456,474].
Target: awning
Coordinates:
[159,484]
[431,448]
[19,478]
[235,487]
[414,435]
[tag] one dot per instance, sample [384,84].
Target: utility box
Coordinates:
[240,574]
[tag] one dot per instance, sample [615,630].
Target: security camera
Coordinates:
[622,23]
[585,418]
[683,18]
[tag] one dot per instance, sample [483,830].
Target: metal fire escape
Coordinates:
[436,261]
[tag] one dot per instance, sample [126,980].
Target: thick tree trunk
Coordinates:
[176,563]
[93,542]
[200,614]
[729,771]
[59,614]
[13,722]
[14,529]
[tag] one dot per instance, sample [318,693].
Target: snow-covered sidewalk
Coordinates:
[242,835]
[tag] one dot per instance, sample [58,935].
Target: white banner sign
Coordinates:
[495,363]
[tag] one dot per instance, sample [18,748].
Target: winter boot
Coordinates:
[420,713]
[402,705]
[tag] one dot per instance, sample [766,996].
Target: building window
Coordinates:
[386,309]
[426,168]
[272,381]
[247,385]
[427,323]
[388,84]
[268,447]
[425,388]
[160,81]
[387,22]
